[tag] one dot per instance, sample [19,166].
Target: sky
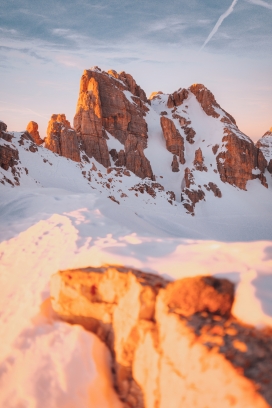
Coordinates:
[46,45]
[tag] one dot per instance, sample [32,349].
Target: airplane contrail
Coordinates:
[219,22]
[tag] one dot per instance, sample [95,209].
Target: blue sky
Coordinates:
[45,46]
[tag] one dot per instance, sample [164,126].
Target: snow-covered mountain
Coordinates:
[180,152]
[157,184]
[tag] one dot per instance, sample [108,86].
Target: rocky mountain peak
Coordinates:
[264,146]
[32,129]
[206,99]
[268,133]
[155,95]
[9,156]
[61,138]
[113,103]
[177,98]
[184,140]
[3,126]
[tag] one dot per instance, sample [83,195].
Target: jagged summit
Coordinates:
[265,146]
[184,141]
[32,129]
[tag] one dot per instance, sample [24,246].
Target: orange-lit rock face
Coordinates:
[206,99]
[235,165]
[9,156]
[61,138]
[209,104]
[193,295]
[116,304]
[188,178]
[174,140]
[199,160]
[177,98]
[32,129]
[132,86]
[265,150]
[155,94]
[173,344]
[102,105]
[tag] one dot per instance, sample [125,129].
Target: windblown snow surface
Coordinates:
[62,218]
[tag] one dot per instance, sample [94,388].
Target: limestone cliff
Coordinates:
[61,138]
[237,163]
[265,147]
[115,103]
[173,343]
[174,140]
[32,129]
[9,155]
[207,139]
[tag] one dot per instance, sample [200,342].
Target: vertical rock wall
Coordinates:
[61,138]
[236,164]
[32,129]
[174,140]
[103,106]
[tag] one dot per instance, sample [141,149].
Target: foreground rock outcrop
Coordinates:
[172,343]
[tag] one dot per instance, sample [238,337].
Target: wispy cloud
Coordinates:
[169,24]
[8,31]
[70,34]
[24,111]
[261,3]
[26,51]
[220,21]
